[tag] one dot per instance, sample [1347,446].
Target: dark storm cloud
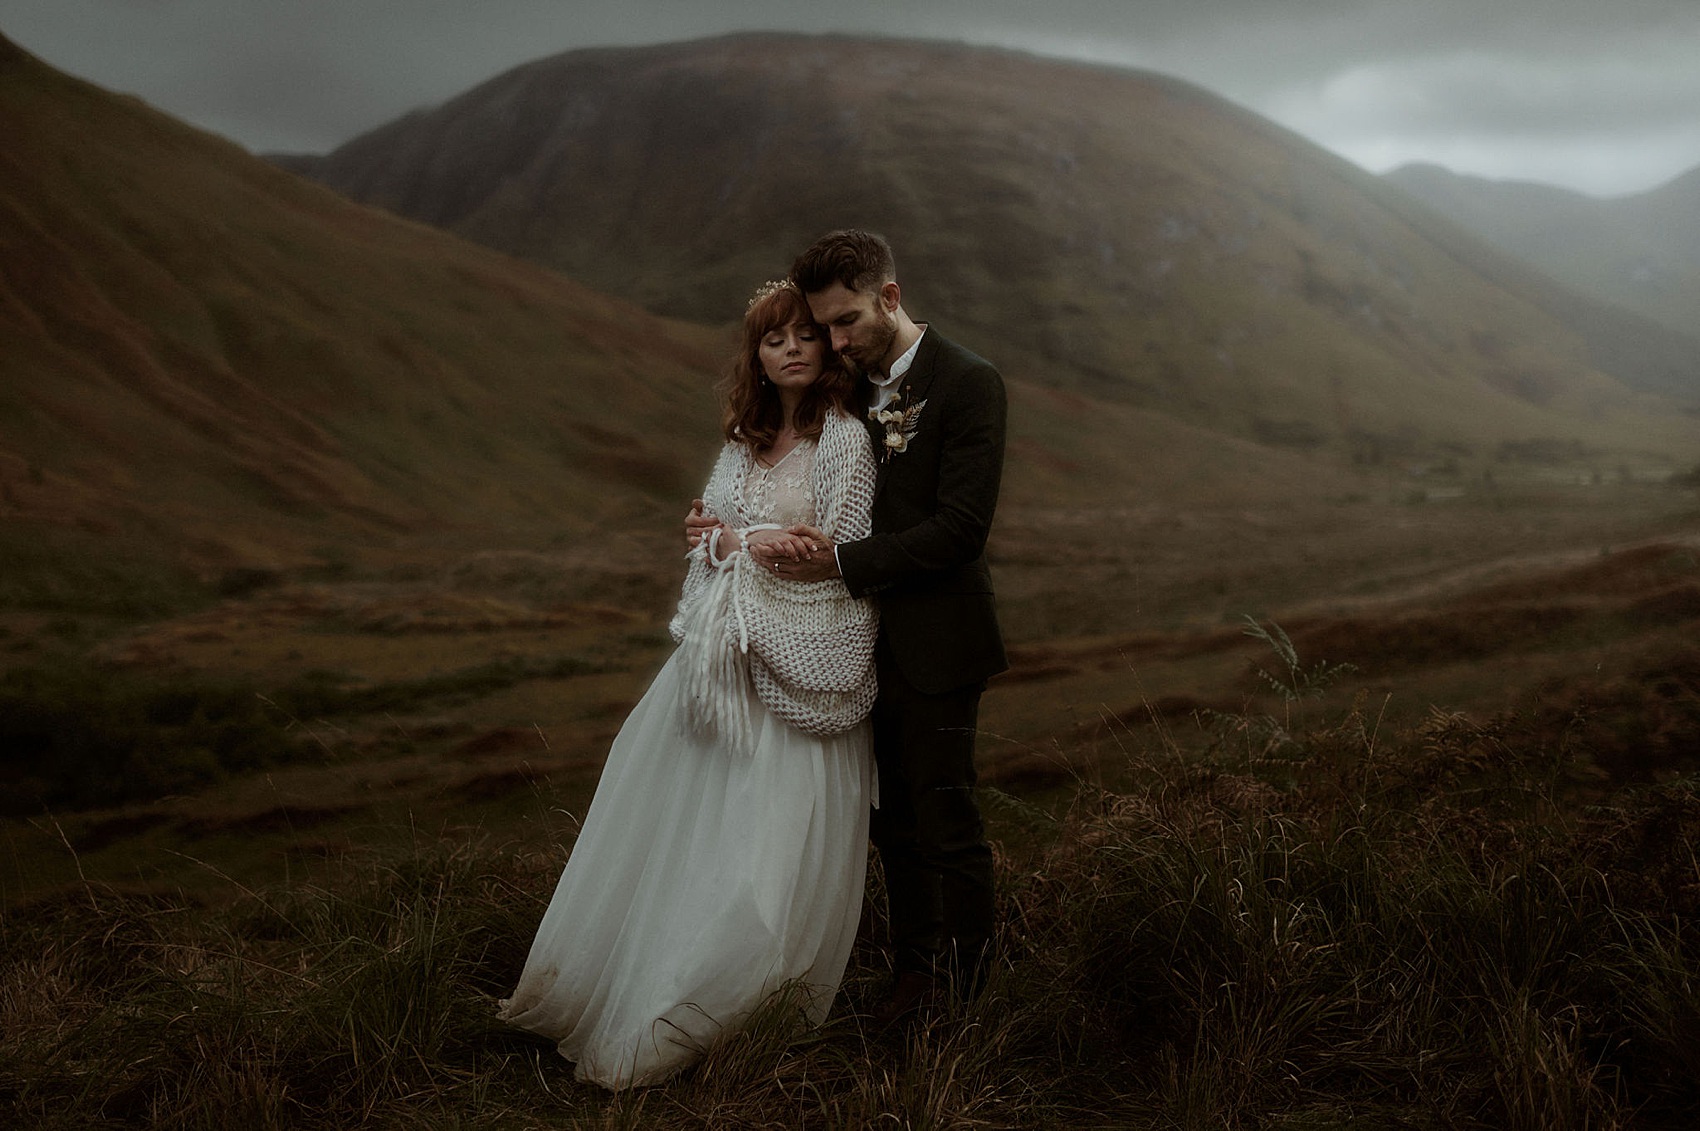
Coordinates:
[1598,94]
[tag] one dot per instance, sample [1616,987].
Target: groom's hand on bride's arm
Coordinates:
[697,524]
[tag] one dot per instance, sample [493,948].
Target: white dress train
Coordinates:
[703,879]
[707,875]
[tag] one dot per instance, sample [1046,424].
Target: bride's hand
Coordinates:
[818,562]
[818,543]
[770,546]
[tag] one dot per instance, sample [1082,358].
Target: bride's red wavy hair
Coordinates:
[752,414]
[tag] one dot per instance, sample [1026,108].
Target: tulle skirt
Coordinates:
[703,879]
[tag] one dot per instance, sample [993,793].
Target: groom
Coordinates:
[936,417]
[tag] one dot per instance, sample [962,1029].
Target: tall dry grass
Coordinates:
[1303,921]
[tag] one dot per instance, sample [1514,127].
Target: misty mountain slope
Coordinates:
[211,362]
[1108,232]
[216,356]
[1640,252]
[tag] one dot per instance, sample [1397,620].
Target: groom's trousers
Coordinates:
[931,840]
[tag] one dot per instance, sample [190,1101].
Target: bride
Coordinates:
[724,852]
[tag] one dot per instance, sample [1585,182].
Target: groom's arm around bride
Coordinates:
[936,417]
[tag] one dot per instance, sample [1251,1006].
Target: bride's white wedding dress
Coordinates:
[723,855]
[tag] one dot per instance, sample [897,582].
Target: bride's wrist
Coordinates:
[716,555]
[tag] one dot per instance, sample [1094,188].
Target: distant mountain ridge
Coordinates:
[1110,232]
[209,359]
[1640,252]
[210,362]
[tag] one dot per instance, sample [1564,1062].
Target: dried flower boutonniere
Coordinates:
[899,421]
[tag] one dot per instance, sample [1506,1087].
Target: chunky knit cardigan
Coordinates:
[806,648]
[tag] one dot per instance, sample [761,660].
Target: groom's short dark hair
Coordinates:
[859,260]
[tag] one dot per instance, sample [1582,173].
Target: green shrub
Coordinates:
[75,735]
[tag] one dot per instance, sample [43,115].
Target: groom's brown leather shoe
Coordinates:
[911,992]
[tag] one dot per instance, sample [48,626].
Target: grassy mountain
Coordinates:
[212,363]
[209,359]
[216,362]
[1106,232]
[1230,902]
[1640,252]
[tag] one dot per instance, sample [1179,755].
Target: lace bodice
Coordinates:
[784,493]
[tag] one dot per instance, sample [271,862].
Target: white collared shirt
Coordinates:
[886,389]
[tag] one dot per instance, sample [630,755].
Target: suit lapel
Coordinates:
[916,381]
[923,369]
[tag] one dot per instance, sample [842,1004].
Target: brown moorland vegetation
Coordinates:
[288,774]
[1323,919]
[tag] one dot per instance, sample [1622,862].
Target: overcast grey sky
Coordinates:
[1597,95]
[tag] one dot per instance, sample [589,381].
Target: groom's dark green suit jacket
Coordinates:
[933,507]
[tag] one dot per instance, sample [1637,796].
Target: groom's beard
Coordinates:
[864,360]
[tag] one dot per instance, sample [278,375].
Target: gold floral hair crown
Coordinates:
[771,287]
